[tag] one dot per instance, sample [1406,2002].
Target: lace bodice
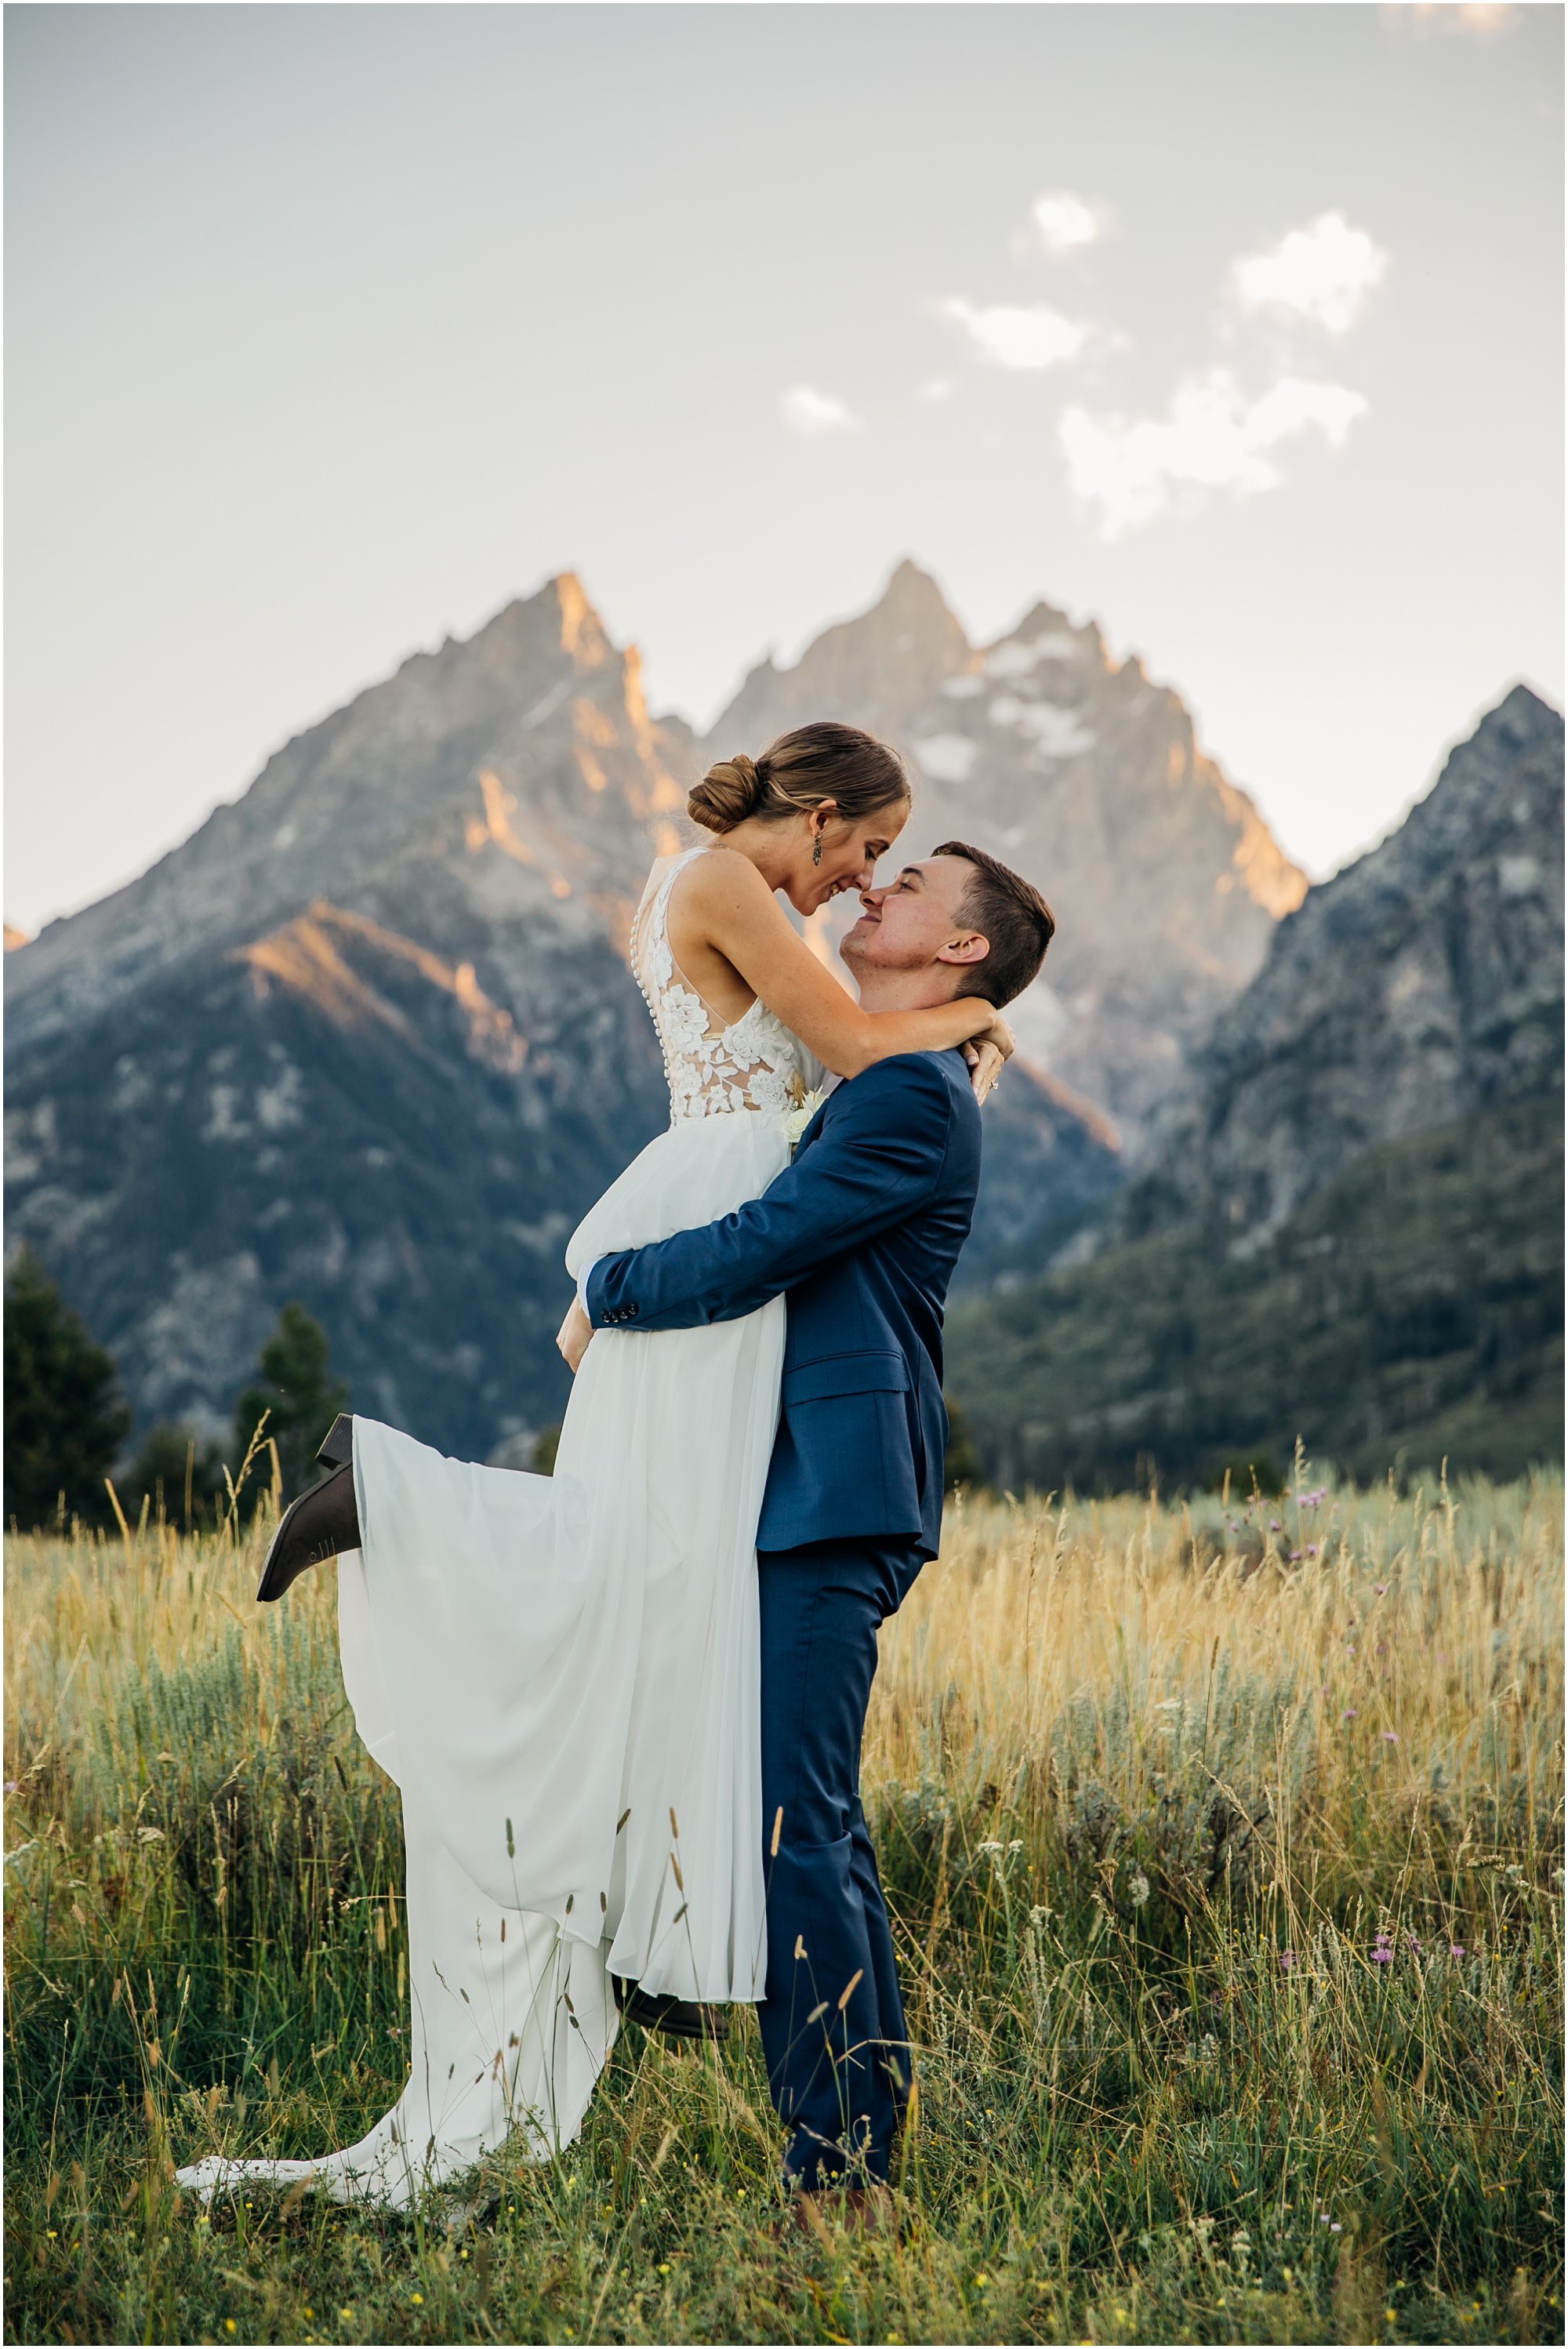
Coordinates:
[753,1062]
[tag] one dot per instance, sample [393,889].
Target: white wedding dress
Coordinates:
[560,1672]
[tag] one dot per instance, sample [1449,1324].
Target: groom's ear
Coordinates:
[969,946]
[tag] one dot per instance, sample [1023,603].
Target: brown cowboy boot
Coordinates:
[311,1529]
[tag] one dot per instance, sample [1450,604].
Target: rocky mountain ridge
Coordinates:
[1086,777]
[1421,984]
[1348,1228]
[368,1039]
[516,773]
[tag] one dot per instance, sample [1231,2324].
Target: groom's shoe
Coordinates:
[317,1527]
[677,2018]
[867,2210]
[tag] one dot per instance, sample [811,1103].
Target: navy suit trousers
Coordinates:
[838,2067]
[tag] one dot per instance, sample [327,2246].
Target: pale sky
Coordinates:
[330,329]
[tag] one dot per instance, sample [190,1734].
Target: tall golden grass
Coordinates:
[1223,1841]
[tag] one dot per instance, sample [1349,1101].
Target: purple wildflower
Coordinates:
[1379,1587]
[1287,1959]
[1382,1954]
[1348,1713]
[1312,1549]
[1273,1525]
[1295,1557]
[1456,1949]
[1391,1737]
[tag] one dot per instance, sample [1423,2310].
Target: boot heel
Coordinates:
[337,1444]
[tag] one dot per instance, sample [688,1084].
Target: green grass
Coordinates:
[1121,1759]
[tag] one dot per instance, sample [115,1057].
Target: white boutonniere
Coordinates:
[801,1116]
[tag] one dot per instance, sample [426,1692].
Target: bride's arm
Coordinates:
[742,919]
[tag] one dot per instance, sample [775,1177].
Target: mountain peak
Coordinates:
[1524,715]
[913,596]
[1418,985]
[556,618]
[868,670]
[583,632]
[913,610]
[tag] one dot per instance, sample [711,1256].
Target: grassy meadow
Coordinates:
[1224,1844]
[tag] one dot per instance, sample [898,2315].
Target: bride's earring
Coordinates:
[816,850]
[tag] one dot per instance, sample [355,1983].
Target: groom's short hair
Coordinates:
[1013,918]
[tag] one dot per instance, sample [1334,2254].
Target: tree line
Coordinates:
[68,1422]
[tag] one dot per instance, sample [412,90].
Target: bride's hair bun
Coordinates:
[822,761]
[729,792]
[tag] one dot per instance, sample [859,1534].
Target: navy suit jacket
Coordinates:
[862,1229]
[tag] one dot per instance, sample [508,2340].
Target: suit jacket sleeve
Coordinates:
[875,1159]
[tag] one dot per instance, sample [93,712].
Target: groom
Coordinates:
[862,1231]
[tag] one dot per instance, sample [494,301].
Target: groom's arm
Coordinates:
[876,1160]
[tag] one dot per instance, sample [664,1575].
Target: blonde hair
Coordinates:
[822,761]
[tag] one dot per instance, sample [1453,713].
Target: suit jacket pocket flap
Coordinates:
[846,1375]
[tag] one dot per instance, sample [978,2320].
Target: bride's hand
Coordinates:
[573,1335]
[987,1053]
[1000,1038]
[984,1065]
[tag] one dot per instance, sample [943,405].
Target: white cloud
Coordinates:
[1324,271]
[815,413]
[1213,439]
[1060,222]
[1479,19]
[939,387]
[1012,337]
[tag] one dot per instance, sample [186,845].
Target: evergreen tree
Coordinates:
[963,1465]
[300,1400]
[177,1472]
[65,1421]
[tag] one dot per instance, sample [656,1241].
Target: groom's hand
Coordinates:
[573,1335]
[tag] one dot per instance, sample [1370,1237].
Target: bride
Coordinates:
[561,1673]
